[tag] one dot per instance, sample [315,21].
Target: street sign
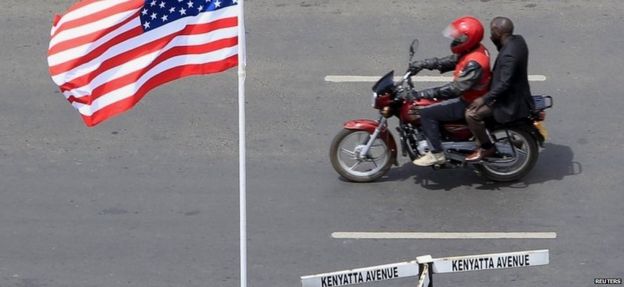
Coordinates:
[428,266]
[490,261]
[362,275]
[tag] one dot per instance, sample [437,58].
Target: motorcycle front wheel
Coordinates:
[347,160]
[521,156]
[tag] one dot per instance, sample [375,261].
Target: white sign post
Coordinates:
[426,271]
[424,267]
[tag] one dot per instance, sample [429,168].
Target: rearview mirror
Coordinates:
[413,48]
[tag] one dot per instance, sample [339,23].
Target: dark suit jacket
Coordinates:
[510,83]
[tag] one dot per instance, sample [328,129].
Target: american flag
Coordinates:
[105,55]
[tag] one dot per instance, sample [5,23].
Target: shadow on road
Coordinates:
[555,163]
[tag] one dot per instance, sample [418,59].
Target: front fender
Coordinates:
[370,126]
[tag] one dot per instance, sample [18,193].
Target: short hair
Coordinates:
[503,25]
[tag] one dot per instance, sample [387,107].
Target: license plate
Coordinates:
[542,129]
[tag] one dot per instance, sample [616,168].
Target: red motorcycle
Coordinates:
[365,149]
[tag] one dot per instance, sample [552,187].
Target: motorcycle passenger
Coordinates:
[471,77]
[509,98]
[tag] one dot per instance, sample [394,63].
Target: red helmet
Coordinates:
[466,32]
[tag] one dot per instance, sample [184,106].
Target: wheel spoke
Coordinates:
[374,162]
[356,164]
[347,151]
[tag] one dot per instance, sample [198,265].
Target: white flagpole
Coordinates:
[242,62]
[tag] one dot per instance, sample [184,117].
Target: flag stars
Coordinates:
[156,13]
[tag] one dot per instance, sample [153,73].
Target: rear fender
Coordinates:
[370,126]
[529,126]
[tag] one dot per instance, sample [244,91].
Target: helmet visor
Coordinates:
[450,32]
[455,35]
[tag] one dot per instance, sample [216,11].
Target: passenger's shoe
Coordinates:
[430,158]
[480,154]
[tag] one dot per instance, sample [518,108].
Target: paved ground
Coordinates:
[150,198]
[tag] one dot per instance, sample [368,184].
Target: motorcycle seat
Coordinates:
[456,122]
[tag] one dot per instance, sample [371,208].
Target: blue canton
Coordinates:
[156,13]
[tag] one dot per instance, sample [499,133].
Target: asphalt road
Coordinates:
[150,198]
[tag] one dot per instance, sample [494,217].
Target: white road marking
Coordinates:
[444,235]
[372,79]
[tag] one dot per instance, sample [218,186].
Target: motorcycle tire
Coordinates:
[526,145]
[342,150]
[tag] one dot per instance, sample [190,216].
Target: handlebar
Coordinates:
[407,78]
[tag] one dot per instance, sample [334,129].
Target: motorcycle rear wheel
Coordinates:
[345,158]
[526,156]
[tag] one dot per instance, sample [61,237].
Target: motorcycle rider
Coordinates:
[471,77]
[510,96]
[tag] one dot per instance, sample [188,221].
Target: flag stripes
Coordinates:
[84,9]
[98,27]
[218,30]
[82,43]
[77,54]
[104,61]
[171,74]
[107,82]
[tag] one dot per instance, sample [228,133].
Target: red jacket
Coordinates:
[481,56]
